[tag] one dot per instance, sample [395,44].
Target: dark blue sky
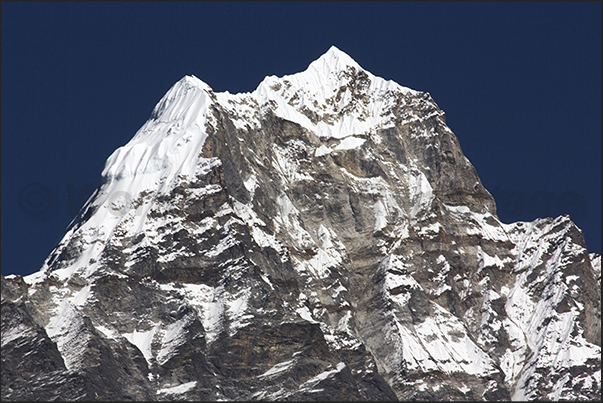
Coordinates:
[520,84]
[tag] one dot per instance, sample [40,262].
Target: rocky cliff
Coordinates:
[321,238]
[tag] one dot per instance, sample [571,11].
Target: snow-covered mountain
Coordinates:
[322,237]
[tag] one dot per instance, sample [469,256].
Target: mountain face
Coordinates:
[320,238]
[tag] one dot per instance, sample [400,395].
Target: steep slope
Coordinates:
[322,237]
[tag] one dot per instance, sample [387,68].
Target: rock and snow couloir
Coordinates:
[322,237]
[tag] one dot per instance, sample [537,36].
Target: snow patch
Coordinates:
[278,369]
[67,330]
[173,337]
[177,390]
[350,143]
[322,150]
[15,333]
[380,216]
[142,340]
[312,382]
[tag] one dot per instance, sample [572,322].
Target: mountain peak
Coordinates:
[334,60]
[192,80]
[334,96]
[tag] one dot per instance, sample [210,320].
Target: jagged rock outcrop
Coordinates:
[321,238]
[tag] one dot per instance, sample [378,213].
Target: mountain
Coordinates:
[320,238]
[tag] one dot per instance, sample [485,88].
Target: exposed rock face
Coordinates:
[322,238]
